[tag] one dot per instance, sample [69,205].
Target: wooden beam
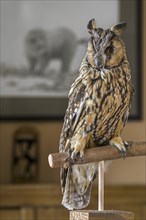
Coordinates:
[98,154]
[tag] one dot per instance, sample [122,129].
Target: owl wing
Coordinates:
[73,115]
[75,137]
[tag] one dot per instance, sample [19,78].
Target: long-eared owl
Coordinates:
[98,109]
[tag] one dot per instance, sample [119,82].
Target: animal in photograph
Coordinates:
[44,48]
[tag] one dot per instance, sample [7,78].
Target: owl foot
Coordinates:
[128,144]
[76,155]
[77,151]
[78,145]
[68,161]
[121,145]
[73,157]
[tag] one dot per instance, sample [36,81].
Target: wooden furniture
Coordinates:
[42,202]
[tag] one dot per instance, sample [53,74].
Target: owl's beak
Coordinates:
[99,62]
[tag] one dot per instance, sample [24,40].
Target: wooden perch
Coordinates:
[98,154]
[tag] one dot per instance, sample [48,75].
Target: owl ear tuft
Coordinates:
[119,28]
[91,26]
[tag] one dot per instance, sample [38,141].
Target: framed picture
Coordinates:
[42,46]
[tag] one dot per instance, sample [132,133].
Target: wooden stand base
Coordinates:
[101,215]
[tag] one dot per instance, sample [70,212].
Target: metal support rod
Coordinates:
[101,186]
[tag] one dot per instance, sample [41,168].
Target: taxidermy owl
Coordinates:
[98,109]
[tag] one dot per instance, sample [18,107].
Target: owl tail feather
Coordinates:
[78,184]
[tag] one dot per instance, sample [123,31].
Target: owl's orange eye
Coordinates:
[110,49]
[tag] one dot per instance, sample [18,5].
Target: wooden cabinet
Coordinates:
[43,202]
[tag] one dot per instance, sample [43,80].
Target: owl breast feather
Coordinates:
[108,97]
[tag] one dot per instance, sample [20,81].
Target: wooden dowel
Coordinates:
[101,186]
[98,154]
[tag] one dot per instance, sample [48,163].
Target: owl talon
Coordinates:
[123,154]
[73,155]
[67,162]
[121,145]
[77,155]
[127,145]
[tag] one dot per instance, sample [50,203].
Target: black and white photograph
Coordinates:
[42,46]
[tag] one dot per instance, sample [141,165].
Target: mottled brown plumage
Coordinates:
[98,109]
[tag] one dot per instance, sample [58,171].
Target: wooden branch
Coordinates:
[98,154]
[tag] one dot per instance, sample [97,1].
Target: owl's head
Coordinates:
[105,48]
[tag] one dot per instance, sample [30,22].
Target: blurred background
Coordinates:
[42,46]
